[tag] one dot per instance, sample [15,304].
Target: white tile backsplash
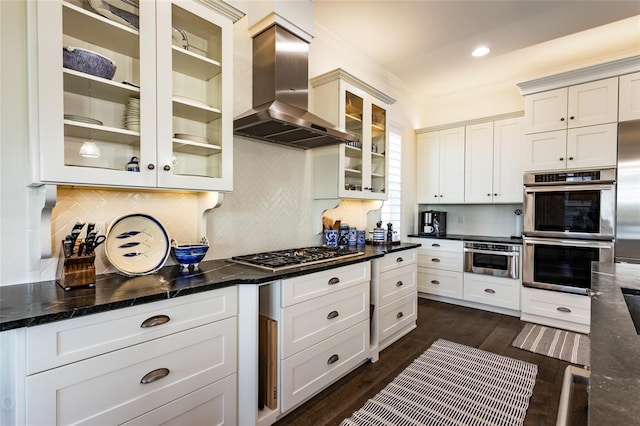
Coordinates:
[479,219]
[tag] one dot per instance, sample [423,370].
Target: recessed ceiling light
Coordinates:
[480,51]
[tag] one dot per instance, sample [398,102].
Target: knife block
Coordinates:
[75,271]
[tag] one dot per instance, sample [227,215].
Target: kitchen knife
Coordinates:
[89,242]
[90,227]
[75,233]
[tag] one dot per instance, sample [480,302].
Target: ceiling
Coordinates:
[428,44]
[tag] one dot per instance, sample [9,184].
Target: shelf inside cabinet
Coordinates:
[95,29]
[194,65]
[96,87]
[194,110]
[352,172]
[92,131]
[377,155]
[353,117]
[189,147]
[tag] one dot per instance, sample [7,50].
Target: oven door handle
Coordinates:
[500,253]
[577,187]
[563,242]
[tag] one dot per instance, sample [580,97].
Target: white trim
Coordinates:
[340,74]
[471,122]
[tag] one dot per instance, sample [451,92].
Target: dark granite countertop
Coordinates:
[614,385]
[479,238]
[30,304]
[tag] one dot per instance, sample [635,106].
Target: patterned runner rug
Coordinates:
[561,344]
[453,384]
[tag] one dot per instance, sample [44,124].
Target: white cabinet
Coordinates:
[556,309]
[397,296]
[358,169]
[493,162]
[581,105]
[584,147]
[629,102]
[176,361]
[493,291]
[440,166]
[166,104]
[440,265]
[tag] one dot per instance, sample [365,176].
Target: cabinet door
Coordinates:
[593,103]
[629,108]
[478,170]
[452,166]
[545,151]
[428,167]
[507,160]
[194,66]
[594,146]
[546,111]
[355,116]
[376,166]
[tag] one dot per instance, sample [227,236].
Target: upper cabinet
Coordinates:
[168,104]
[581,105]
[629,108]
[357,170]
[440,166]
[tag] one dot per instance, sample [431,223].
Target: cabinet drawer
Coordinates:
[108,389]
[397,315]
[299,289]
[309,371]
[310,322]
[446,261]
[440,283]
[63,342]
[398,259]
[398,283]
[214,404]
[553,304]
[502,292]
[438,245]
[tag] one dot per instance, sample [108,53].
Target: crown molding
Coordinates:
[223,8]
[340,74]
[481,120]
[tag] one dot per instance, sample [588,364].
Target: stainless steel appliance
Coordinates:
[577,204]
[433,223]
[500,260]
[294,258]
[628,199]
[562,264]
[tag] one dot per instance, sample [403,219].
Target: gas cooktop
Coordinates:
[293,258]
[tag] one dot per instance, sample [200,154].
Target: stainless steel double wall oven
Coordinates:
[569,222]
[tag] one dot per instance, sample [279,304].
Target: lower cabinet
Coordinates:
[186,374]
[493,291]
[556,309]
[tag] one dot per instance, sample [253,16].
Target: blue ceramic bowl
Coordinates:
[189,254]
[88,62]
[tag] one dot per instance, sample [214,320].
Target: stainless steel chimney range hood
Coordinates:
[280,96]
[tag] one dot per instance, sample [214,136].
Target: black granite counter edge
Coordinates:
[478,238]
[31,304]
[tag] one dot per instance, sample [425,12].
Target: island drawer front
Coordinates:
[397,315]
[63,342]
[443,260]
[397,283]
[553,304]
[309,371]
[440,283]
[501,292]
[300,289]
[214,404]
[194,358]
[398,259]
[432,244]
[307,323]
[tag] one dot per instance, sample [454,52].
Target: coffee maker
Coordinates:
[433,223]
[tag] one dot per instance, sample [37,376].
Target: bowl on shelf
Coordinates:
[189,254]
[88,62]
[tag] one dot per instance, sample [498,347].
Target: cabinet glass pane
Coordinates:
[378,148]
[101,113]
[353,177]
[196,95]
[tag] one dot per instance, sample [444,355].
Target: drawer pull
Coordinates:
[332,314]
[563,309]
[334,280]
[489,290]
[154,320]
[154,375]
[436,282]
[399,284]
[399,259]
[435,245]
[333,358]
[435,259]
[399,315]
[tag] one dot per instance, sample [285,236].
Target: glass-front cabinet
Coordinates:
[357,169]
[139,96]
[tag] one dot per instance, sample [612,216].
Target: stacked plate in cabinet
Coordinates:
[132,115]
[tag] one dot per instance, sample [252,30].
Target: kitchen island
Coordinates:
[614,384]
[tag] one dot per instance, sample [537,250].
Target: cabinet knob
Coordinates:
[151,166]
[495,194]
[399,284]
[561,158]
[399,315]
[435,260]
[441,195]
[570,158]
[571,118]
[436,195]
[488,195]
[399,259]
[166,167]
[436,282]
[562,119]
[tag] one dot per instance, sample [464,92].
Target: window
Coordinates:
[391,209]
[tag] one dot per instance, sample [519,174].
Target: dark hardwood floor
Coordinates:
[484,330]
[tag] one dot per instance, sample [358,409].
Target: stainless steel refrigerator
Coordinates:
[627,247]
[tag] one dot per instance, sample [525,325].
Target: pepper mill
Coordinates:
[389,232]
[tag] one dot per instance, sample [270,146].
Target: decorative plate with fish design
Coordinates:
[137,244]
